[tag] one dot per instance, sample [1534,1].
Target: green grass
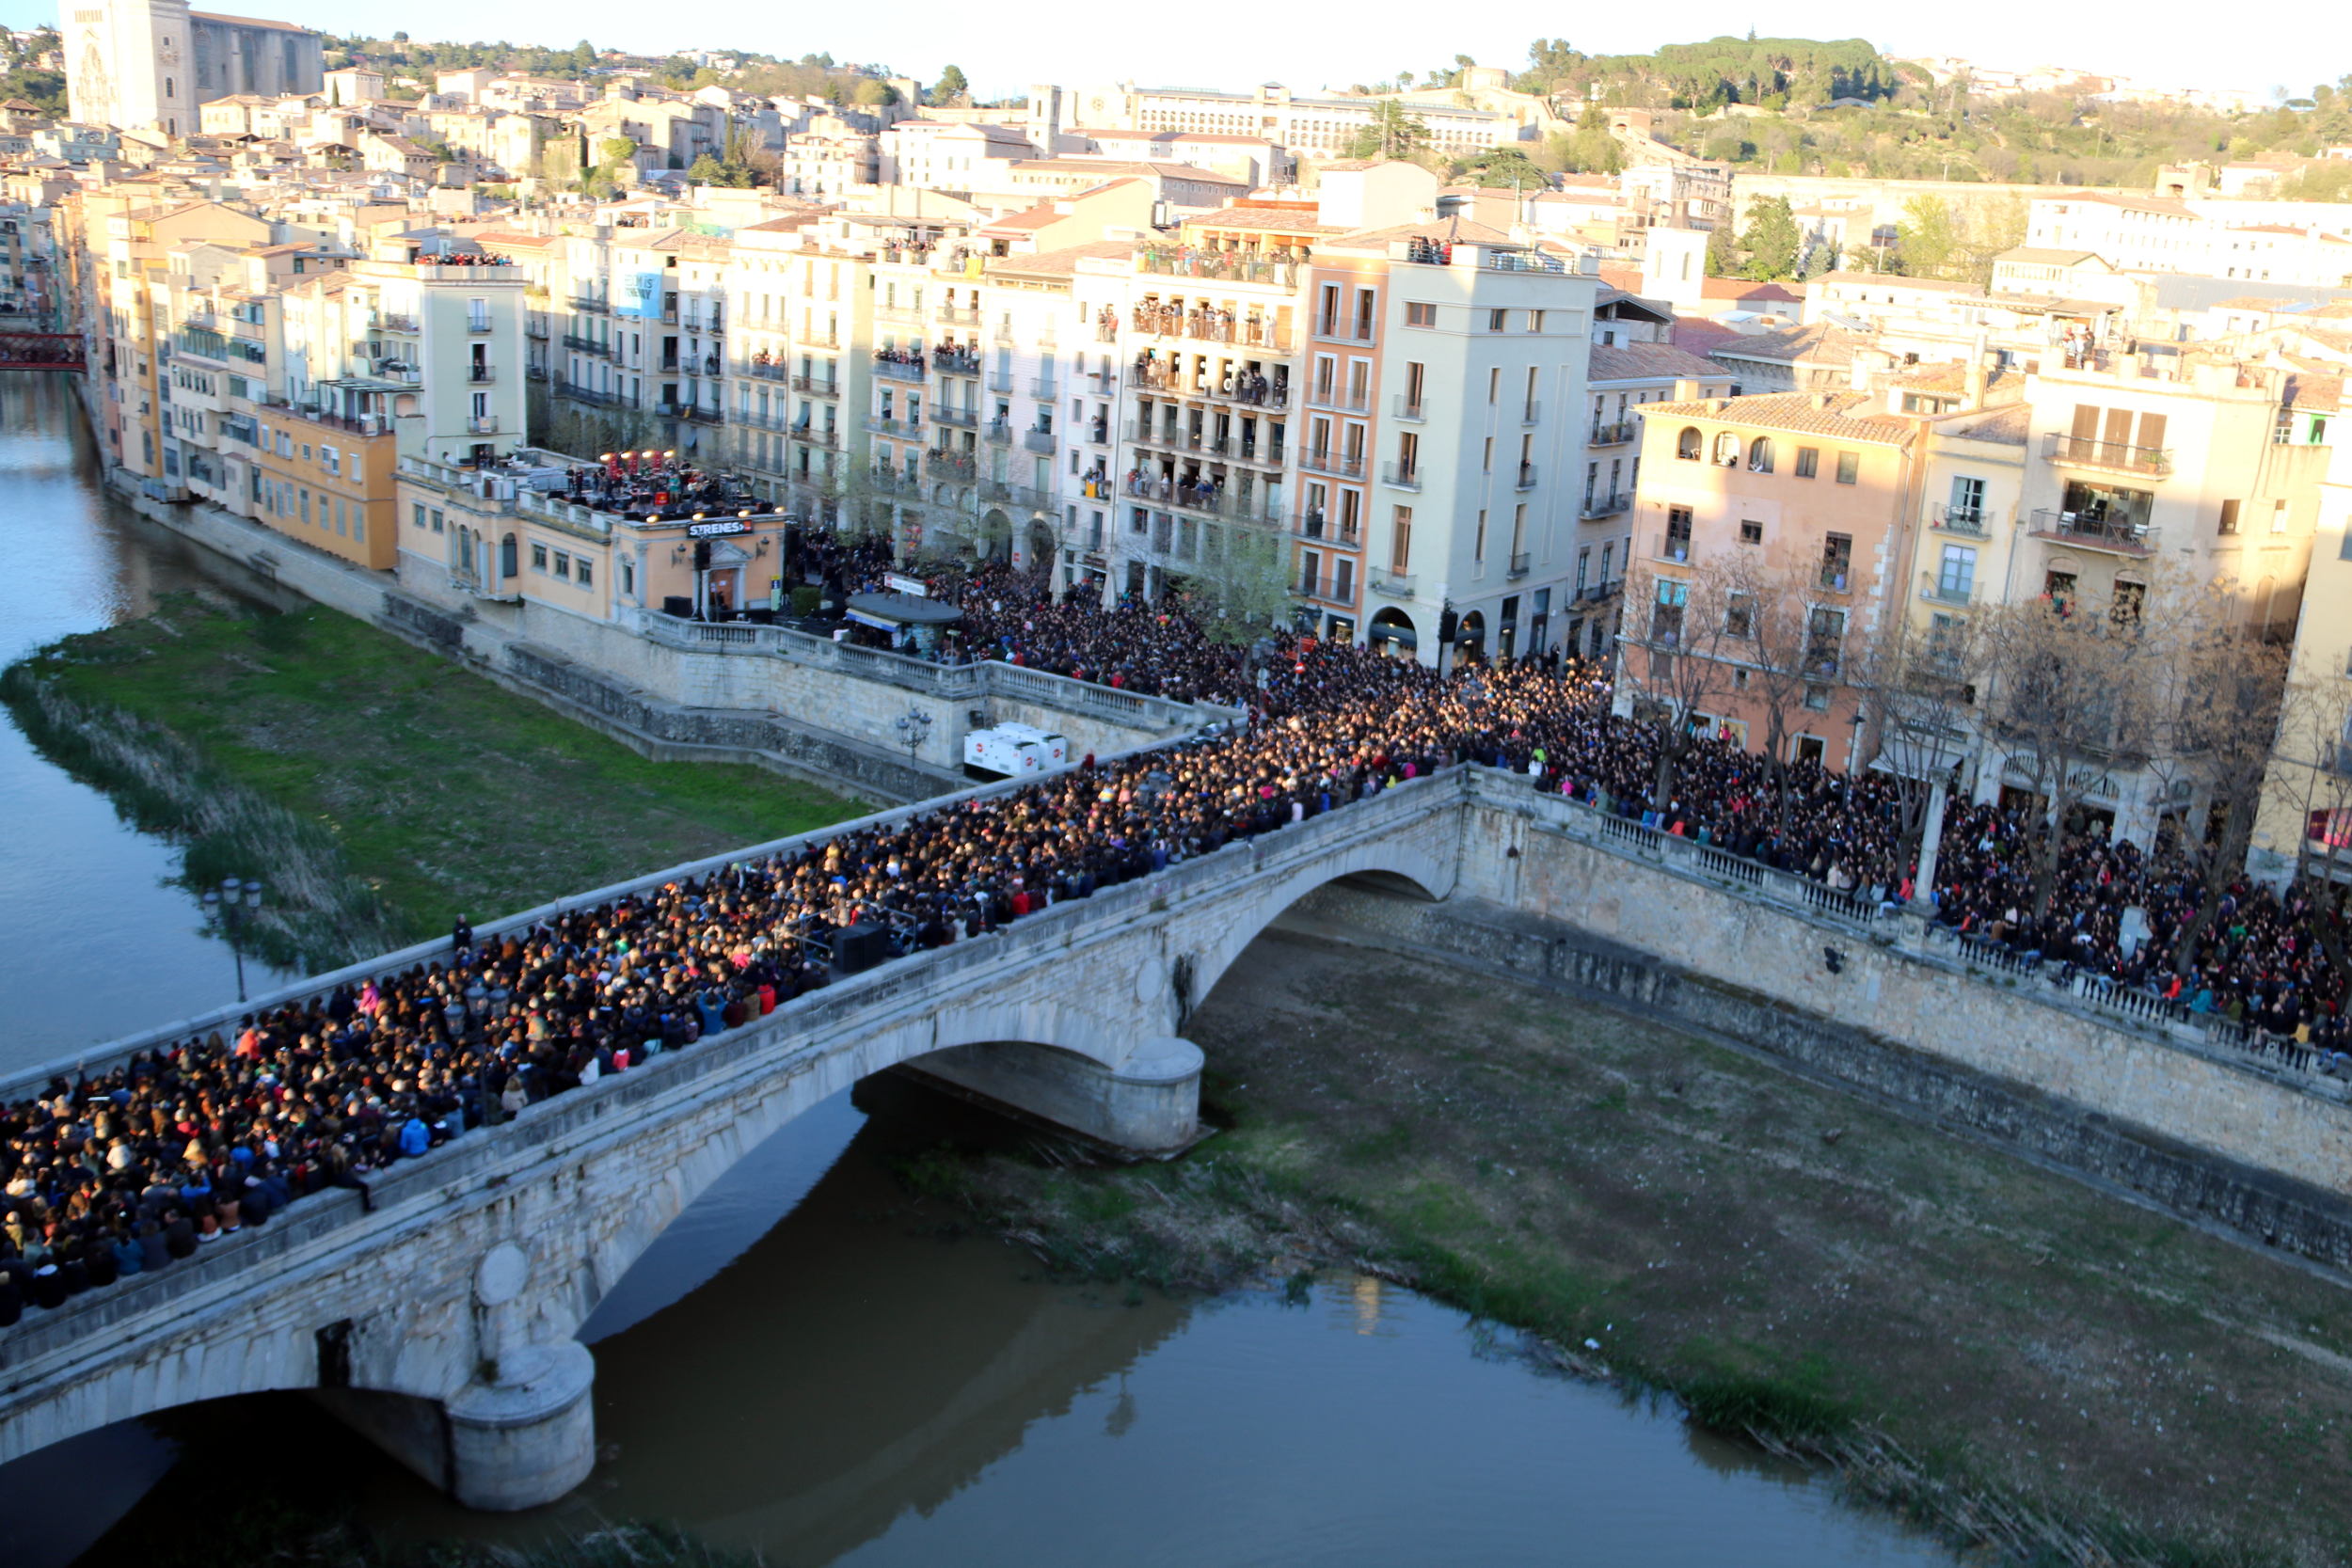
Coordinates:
[443,793]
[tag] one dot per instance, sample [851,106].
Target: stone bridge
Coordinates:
[436,1309]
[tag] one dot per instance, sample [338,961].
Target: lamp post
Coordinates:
[233,904]
[913,727]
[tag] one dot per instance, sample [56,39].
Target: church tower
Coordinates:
[132,63]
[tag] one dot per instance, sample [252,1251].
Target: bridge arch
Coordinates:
[1398,863]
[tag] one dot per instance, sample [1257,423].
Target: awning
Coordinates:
[893,611]
[1918,762]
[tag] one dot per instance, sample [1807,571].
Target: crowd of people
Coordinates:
[145,1163]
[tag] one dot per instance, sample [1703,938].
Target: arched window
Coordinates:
[1687,444]
[509,562]
[1727,449]
[1760,455]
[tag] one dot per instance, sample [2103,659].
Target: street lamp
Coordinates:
[234,903]
[913,728]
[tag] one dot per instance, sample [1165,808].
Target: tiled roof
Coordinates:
[1650,361]
[1817,343]
[2010,424]
[1273,219]
[246,21]
[2045,257]
[1452,231]
[1800,413]
[1060,263]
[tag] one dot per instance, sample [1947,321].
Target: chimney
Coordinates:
[1686,389]
[1975,382]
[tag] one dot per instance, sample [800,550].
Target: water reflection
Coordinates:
[78,887]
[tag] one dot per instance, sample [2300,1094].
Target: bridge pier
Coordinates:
[520,1441]
[1149,1102]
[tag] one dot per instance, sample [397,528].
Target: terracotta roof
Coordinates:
[1650,362]
[1453,230]
[1800,413]
[786,224]
[2010,424]
[1743,288]
[1060,263]
[1814,343]
[2045,257]
[1700,335]
[2133,203]
[1274,219]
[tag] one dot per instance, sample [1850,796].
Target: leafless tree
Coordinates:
[1670,658]
[2068,694]
[1918,699]
[2220,687]
[1778,652]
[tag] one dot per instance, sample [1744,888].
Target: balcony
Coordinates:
[910,314]
[1273,395]
[1532,413]
[899,370]
[1334,463]
[999,381]
[903,429]
[1331,590]
[579,392]
[1207,499]
[1167,437]
[585,305]
[1604,506]
[1395,585]
[889,481]
[1673,546]
[482,425]
[1217,266]
[579,344]
[958,315]
[477,323]
[1199,327]
[1102,384]
[1521,562]
[481,376]
[998,434]
[1401,476]
[956,467]
[2082,452]
[1408,408]
[1936,591]
[1004,492]
[1968,520]
[1616,434]
[2118,535]
[1045,388]
[402,321]
[1351,403]
[818,386]
[1037,441]
[1098,433]
[816,435]
[963,419]
[769,370]
[1526,477]
[1315,526]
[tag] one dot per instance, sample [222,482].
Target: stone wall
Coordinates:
[2278,1210]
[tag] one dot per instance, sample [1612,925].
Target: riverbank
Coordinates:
[382,791]
[1991,1348]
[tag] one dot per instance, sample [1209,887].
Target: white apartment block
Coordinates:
[1304,125]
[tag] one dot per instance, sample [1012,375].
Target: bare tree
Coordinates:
[2220,687]
[2067,693]
[1770,635]
[1670,658]
[2311,777]
[1919,698]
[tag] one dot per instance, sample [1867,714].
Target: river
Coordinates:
[798,1364]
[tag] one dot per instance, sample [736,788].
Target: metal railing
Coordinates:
[1958,519]
[1614,434]
[899,370]
[1337,465]
[1350,403]
[1521,563]
[1526,477]
[2121,535]
[1037,441]
[1604,506]
[2083,452]
[1408,408]
[1401,476]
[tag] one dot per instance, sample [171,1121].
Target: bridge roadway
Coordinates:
[436,1309]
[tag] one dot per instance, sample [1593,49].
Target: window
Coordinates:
[1836,561]
[1808,462]
[2229,516]
[417,513]
[563,565]
[1401,541]
[538,557]
[1824,631]
[1849,467]
[1968,505]
[1584,562]
[628,577]
[1726,450]
[2279,516]
[1478,544]
[1687,444]
[1740,615]
[1750,531]
[1677,533]
[2130,598]
[1420,313]
[1665,616]
[1817,698]
[1957,578]
[1367,311]
[1535,321]
[1498,320]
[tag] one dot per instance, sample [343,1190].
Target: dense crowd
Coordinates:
[135,1168]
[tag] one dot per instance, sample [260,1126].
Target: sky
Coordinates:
[1003,49]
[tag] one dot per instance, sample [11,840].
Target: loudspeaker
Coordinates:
[860,947]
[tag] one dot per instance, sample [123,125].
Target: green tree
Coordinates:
[1722,251]
[707,170]
[1503,168]
[1928,239]
[951,87]
[1242,589]
[1393,134]
[1771,240]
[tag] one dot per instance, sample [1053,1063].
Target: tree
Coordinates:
[1772,240]
[1393,133]
[1503,168]
[1918,704]
[1670,658]
[1722,251]
[1241,588]
[706,170]
[2221,686]
[952,86]
[1929,237]
[1778,656]
[2069,695]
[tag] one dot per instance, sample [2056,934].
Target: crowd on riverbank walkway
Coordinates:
[139,1167]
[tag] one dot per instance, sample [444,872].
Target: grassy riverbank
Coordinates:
[1998,1351]
[383,790]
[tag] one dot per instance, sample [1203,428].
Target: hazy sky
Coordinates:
[1004,47]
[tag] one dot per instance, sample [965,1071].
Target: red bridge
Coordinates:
[40,351]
